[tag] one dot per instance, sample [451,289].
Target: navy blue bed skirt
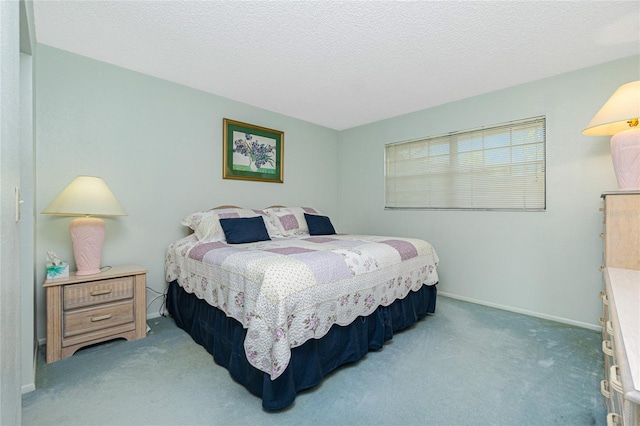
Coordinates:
[223,337]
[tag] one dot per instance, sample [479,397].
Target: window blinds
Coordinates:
[500,167]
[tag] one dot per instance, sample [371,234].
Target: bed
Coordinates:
[280,300]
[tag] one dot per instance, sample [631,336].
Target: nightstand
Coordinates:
[84,310]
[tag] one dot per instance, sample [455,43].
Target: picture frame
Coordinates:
[251,152]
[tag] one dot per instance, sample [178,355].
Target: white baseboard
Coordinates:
[521,311]
[30,387]
[153,315]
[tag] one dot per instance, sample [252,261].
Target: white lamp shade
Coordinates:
[86,196]
[622,106]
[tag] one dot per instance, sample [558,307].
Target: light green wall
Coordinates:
[158,145]
[544,264]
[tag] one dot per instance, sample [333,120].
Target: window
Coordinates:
[499,167]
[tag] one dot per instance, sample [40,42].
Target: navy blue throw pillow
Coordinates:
[319,225]
[244,230]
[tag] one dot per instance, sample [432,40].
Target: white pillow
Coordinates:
[290,221]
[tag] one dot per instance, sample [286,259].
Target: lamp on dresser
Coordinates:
[86,196]
[619,117]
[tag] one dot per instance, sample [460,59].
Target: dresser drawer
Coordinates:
[92,319]
[97,292]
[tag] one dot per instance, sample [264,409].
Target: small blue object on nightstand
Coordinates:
[56,268]
[57,271]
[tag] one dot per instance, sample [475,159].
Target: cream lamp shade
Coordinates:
[619,117]
[86,196]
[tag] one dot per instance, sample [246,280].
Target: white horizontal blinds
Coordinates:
[499,167]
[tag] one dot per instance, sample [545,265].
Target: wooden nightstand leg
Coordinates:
[54,324]
[141,305]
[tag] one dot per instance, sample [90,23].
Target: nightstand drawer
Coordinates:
[97,292]
[98,318]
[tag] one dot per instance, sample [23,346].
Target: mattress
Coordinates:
[287,291]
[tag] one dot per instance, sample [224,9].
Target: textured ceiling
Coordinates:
[344,64]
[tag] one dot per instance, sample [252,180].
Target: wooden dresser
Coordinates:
[621,302]
[622,229]
[84,310]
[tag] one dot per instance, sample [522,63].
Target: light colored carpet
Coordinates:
[465,365]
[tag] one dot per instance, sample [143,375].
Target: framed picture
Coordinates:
[252,152]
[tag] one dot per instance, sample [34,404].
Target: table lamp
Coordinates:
[86,196]
[619,117]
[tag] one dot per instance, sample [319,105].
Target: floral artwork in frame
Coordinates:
[252,152]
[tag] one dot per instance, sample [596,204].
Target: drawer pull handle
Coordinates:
[99,292]
[613,379]
[609,328]
[613,419]
[606,347]
[604,389]
[100,318]
[604,297]
[601,235]
[601,269]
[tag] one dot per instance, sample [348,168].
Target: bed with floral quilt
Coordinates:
[280,299]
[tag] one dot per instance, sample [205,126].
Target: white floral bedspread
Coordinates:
[289,290]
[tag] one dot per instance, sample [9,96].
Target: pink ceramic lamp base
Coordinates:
[87,234]
[625,153]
